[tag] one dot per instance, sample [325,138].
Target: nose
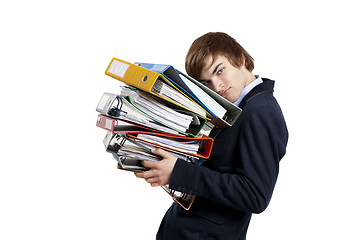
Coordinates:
[217,85]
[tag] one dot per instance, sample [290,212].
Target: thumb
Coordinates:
[161,152]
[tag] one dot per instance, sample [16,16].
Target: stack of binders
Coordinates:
[160,107]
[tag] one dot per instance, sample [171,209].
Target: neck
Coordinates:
[249,77]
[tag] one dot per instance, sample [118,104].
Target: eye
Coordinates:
[205,82]
[220,71]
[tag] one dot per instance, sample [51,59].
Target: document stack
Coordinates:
[160,107]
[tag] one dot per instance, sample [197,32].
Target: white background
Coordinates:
[57,181]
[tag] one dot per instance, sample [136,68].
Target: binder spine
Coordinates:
[117,68]
[131,74]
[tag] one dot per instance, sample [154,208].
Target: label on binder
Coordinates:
[118,68]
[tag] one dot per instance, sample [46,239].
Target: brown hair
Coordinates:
[216,44]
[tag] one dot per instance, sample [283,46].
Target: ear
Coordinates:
[243,60]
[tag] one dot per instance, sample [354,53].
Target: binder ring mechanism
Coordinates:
[116,111]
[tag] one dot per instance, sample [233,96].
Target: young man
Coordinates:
[239,177]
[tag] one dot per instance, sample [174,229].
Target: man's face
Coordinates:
[223,78]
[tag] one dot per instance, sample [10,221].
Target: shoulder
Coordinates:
[260,100]
[261,109]
[261,104]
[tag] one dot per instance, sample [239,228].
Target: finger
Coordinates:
[149,164]
[161,152]
[153,182]
[146,174]
[139,174]
[150,180]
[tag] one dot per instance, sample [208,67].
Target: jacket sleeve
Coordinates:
[260,146]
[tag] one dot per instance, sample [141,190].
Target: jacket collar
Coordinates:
[266,86]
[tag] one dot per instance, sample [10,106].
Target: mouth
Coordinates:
[224,92]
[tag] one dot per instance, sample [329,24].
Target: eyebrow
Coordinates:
[203,81]
[216,68]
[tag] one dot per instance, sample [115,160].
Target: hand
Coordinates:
[160,171]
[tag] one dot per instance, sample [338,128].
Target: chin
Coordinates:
[231,100]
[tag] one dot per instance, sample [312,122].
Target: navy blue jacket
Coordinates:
[239,177]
